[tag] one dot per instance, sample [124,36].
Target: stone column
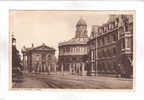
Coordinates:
[39,67]
[24,62]
[79,71]
[76,68]
[48,68]
[43,67]
[82,69]
[92,72]
[62,68]
[54,67]
[72,66]
[92,66]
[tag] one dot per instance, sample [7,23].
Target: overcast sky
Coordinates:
[49,27]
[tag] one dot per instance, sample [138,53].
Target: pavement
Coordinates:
[74,82]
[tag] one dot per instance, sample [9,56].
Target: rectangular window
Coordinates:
[103,41]
[98,42]
[128,42]
[114,50]
[123,43]
[114,37]
[108,38]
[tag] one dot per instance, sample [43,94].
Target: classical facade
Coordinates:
[111,47]
[40,59]
[73,53]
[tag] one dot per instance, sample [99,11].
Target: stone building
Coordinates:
[111,47]
[92,51]
[40,59]
[73,53]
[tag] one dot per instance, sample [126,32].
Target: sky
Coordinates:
[50,27]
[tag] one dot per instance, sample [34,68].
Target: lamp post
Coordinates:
[96,59]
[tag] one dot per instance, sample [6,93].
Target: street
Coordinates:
[74,82]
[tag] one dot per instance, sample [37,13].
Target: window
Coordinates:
[102,29]
[129,43]
[114,50]
[98,42]
[108,38]
[64,50]
[103,53]
[122,43]
[68,49]
[100,54]
[71,50]
[73,58]
[114,38]
[103,41]
[74,49]
[108,52]
[113,24]
[105,29]
[108,27]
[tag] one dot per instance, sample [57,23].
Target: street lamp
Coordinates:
[96,56]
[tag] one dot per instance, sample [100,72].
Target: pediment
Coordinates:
[43,48]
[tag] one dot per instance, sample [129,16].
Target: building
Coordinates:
[73,53]
[92,51]
[111,47]
[40,59]
[17,68]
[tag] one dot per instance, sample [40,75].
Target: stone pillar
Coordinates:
[79,71]
[25,62]
[45,68]
[82,68]
[92,66]
[92,72]
[62,68]
[54,67]
[76,68]
[39,67]
[72,67]
[70,70]
[49,69]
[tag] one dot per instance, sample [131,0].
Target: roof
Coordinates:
[75,41]
[81,22]
[39,48]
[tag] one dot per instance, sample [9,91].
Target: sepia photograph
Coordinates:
[72,49]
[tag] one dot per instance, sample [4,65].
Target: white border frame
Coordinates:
[76,5]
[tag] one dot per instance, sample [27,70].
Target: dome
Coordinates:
[81,22]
